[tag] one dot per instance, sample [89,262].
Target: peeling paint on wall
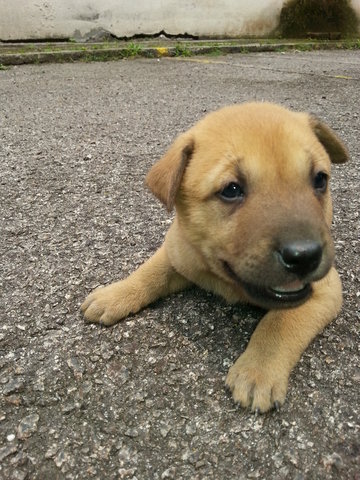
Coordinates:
[38,19]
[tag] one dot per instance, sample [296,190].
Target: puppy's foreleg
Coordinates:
[154,279]
[259,377]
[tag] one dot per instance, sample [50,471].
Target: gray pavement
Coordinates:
[146,399]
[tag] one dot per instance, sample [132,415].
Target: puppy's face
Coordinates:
[250,185]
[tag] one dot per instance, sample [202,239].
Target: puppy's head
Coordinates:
[251,188]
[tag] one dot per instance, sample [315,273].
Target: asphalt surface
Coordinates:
[145,399]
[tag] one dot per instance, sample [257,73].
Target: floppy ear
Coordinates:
[334,147]
[165,176]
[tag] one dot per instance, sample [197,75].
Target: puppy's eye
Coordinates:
[320,182]
[233,192]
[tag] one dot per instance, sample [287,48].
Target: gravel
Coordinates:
[146,398]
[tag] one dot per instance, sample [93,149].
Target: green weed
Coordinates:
[215,52]
[132,50]
[182,51]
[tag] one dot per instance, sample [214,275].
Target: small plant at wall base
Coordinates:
[132,50]
[215,52]
[182,51]
[299,18]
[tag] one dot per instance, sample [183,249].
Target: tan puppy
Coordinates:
[253,213]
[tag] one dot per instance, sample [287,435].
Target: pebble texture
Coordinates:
[146,398]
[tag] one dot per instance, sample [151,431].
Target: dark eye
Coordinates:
[233,192]
[320,182]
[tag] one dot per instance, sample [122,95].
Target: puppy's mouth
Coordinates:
[289,294]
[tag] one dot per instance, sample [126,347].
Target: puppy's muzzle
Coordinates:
[294,264]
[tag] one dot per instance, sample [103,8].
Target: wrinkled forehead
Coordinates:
[258,149]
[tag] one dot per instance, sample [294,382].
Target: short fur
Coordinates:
[232,247]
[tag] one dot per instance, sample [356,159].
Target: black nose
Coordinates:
[301,257]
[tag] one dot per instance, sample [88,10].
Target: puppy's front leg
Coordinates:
[154,279]
[259,377]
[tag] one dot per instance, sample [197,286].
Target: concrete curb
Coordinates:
[180,49]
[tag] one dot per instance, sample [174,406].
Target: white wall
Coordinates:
[32,19]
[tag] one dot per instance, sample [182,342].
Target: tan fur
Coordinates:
[275,153]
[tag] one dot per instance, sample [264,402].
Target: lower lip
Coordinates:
[267,297]
[287,298]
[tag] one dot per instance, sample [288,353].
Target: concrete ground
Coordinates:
[146,399]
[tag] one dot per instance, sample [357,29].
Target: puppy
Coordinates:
[250,184]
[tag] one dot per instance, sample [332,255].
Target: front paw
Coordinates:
[257,382]
[108,305]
